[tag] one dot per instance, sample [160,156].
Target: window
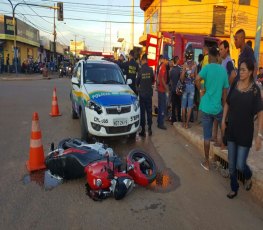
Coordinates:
[102,74]
[244,2]
[78,73]
[197,52]
[219,17]
[155,22]
[147,29]
[168,50]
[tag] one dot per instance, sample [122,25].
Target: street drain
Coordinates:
[222,166]
[43,178]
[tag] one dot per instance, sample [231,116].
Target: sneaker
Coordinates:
[162,127]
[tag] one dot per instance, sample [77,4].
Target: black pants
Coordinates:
[176,107]
[146,106]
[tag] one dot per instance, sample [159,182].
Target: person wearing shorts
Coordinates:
[188,77]
[216,85]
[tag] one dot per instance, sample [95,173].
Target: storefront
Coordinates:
[27,41]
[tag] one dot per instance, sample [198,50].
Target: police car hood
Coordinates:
[110,95]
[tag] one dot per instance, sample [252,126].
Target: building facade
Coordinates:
[27,40]
[217,18]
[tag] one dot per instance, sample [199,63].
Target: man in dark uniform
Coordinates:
[144,85]
[132,70]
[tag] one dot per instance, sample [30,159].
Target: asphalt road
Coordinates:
[184,197]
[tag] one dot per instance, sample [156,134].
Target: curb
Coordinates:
[197,140]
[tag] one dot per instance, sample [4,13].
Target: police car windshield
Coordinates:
[95,73]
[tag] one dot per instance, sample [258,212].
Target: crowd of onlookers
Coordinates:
[28,66]
[228,98]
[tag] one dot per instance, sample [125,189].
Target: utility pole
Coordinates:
[258,30]
[55,35]
[231,33]
[75,47]
[132,25]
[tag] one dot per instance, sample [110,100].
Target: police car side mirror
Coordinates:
[75,81]
[129,81]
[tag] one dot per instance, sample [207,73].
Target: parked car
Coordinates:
[103,101]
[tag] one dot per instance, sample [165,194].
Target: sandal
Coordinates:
[231,195]
[248,184]
[205,165]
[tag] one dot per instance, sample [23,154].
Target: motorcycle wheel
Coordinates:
[148,167]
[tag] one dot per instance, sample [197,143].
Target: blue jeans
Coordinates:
[161,108]
[207,123]
[237,160]
[188,96]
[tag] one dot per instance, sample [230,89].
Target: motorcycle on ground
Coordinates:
[102,168]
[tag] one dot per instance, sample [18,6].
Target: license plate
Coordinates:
[120,122]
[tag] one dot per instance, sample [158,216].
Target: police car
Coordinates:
[102,100]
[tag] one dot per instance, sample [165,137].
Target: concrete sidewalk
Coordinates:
[255,158]
[22,76]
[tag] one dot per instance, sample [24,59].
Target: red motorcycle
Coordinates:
[102,167]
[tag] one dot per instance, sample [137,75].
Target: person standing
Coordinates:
[121,63]
[162,89]
[188,77]
[260,75]
[132,70]
[227,62]
[242,104]
[228,65]
[175,98]
[7,63]
[144,83]
[211,103]
[246,52]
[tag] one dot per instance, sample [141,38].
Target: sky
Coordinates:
[98,22]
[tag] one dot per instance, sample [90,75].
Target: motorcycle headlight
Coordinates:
[98,182]
[94,106]
[136,105]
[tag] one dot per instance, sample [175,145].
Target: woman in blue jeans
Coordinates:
[242,104]
[188,77]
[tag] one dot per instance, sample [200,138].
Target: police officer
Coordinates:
[121,63]
[132,70]
[144,85]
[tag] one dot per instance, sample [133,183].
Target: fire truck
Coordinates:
[174,44]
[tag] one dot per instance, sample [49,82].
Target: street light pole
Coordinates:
[14,26]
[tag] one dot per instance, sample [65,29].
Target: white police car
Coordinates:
[102,100]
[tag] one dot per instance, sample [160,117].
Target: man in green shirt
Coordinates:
[216,85]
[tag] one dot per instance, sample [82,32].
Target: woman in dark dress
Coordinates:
[243,103]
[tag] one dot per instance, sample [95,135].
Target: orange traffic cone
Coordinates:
[54,109]
[36,153]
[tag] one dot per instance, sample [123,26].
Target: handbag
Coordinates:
[180,87]
[225,136]
[226,133]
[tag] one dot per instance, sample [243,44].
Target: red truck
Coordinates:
[174,44]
